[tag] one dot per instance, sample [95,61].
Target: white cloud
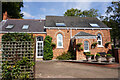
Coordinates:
[83,5]
[78,5]
[43,9]
[27,15]
[46,10]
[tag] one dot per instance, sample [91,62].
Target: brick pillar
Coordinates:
[5,15]
[117,55]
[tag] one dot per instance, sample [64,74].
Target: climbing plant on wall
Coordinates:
[18,52]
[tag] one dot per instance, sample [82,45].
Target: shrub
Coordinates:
[88,55]
[53,45]
[107,43]
[108,55]
[79,44]
[97,55]
[48,53]
[80,48]
[94,44]
[66,56]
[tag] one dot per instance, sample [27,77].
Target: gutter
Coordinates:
[23,32]
[76,28]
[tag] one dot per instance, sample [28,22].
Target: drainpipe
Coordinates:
[70,33]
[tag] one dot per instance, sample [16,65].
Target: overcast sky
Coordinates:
[37,10]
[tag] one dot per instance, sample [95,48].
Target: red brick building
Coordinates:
[66,32]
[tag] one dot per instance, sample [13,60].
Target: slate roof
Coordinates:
[83,34]
[34,25]
[73,21]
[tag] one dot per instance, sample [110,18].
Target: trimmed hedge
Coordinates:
[48,53]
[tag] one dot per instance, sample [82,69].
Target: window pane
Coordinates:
[86,45]
[99,42]
[39,38]
[59,44]
[99,39]
[59,40]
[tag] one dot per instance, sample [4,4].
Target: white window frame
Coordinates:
[84,46]
[60,41]
[99,40]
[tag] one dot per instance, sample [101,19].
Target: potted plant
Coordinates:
[53,45]
[94,44]
[79,44]
[98,57]
[106,44]
[88,57]
[109,58]
[80,49]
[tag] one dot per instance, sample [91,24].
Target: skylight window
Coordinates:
[25,27]
[60,24]
[94,25]
[10,26]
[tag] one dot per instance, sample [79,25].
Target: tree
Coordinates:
[48,53]
[113,20]
[13,9]
[86,13]
[90,13]
[72,12]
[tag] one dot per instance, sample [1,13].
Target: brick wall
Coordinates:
[38,34]
[66,41]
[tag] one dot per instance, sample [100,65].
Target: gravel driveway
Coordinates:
[52,69]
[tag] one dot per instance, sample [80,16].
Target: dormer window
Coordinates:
[25,27]
[60,24]
[10,26]
[94,25]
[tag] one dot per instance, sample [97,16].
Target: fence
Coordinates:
[13,51]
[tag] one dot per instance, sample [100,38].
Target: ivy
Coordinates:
[17,37]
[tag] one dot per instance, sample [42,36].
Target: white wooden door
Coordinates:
[39,48]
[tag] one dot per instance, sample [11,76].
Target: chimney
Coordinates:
[5,15]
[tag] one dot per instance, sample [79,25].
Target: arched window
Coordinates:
[59,41]
[39,38]
[99,39]
[86,46]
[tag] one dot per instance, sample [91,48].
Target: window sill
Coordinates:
[60,47]
[100,46]
[87,51]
